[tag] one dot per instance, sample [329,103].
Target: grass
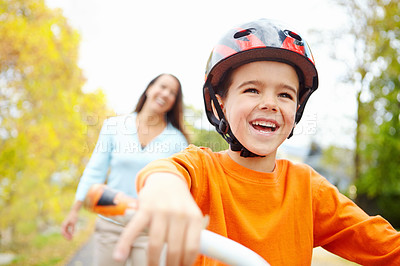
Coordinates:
[52,249]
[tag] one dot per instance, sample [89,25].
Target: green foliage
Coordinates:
[338,164]
[51,248]
[44,127]
[377,27]
[210,139]
[338,158]
[202,137]
[380,175]
[50,262]
[43,240]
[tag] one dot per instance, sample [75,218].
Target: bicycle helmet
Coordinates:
[260,40]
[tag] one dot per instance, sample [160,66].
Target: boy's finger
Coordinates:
[157,235]
[192,242]
[131,232]
[175,240]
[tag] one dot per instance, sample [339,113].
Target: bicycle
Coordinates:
[118,208]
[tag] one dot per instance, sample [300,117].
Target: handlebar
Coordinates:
[117,207]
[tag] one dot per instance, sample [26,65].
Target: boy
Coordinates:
[258,80]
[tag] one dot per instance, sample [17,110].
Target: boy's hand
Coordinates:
[168,210]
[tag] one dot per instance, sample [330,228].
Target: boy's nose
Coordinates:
[268,103]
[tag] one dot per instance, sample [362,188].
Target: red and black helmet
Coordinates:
[260,40]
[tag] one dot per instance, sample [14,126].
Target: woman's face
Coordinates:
[261,104]
[161,95]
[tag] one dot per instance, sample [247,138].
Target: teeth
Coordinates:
[160,101]
[264,124]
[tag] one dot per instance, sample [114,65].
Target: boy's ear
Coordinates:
[221,104]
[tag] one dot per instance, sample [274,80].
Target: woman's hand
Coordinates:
[68,225]
[168,211]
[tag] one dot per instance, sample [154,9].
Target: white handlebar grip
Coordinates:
[228,251]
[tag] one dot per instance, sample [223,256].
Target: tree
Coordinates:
[200,136]
[376,25]
[210,139]
[333,163]
[47,123]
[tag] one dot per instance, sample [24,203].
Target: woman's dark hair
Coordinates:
[175,115]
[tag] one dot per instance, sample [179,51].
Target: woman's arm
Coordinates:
[95,172]
[68,225]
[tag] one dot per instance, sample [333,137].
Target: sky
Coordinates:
[126,43]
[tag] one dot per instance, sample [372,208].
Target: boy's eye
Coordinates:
[286,95]
[251,90]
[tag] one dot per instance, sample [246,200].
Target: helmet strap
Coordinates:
[300,110]
[223,128]
[291,133]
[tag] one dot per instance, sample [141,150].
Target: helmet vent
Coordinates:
[293,35]
[243,33]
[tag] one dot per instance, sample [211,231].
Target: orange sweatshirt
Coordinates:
[280,215]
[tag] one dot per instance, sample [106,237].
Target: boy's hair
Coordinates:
[260,40]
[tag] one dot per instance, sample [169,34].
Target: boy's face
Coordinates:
[261,104]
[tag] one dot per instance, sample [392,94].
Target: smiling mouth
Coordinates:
[264,126]
[160,101]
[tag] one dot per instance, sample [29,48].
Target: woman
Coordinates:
[125,145]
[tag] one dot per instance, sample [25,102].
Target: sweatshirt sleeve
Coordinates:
[343,228]
[97,167]
[187,164]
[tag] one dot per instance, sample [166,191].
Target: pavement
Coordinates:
[84,255]
[321,257]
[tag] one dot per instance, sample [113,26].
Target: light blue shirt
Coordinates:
[118,155]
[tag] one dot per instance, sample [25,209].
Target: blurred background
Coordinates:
[66,65]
